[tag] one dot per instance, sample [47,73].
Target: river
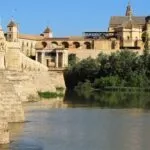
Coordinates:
[81,127]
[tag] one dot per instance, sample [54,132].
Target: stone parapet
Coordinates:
[31,65]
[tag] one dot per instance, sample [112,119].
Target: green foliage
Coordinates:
[72,60]
[84,70]
[122,69]
[86,86]
[48,95]
[106,81]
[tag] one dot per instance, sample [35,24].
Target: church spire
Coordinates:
[129,12]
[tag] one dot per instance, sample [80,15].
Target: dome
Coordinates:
[12,24]
[40,45]
[47,30]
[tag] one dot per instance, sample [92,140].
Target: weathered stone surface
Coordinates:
[4,132]
[17,87]
[11,109]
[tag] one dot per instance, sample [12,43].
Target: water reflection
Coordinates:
[87,127]
[108,99]
[84,129]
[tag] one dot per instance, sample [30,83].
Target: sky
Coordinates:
[66,17]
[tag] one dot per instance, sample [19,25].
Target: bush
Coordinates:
[106,82]
[49,95]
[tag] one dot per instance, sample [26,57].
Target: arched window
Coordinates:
[88,45]
[65,44]
[76,44]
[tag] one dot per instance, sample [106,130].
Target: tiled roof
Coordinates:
[12,24]
[119,20]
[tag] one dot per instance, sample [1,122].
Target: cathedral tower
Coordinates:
[129,11]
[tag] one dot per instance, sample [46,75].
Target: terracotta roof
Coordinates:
[119,20]
[47,30]
[12,24]
[30,37]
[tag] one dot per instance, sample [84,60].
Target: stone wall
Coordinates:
[17,87]
[83,54]
[27,84]
[11,109]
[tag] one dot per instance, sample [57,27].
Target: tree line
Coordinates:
[120,69]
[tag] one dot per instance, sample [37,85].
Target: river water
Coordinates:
[81,128]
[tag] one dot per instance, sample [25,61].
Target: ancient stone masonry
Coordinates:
[4,132]
[11,109]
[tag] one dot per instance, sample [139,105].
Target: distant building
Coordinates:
[124,32]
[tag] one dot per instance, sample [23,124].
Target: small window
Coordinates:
[9,35]
[9,29]
[128,37]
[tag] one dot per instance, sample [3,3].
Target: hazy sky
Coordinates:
[66,17]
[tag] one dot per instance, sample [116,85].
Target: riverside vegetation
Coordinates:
[119,80]
[123,70]
[47,95]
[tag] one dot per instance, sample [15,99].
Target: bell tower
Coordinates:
[12,32]
[47,33]
[129,11]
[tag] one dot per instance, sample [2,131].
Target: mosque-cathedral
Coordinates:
[124,32]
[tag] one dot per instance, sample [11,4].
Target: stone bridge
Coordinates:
[20,80]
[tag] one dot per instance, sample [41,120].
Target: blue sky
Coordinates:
[66,17]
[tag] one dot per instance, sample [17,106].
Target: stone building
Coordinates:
[51,56]
[128,29]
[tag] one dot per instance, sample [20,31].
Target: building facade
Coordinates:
[124,32]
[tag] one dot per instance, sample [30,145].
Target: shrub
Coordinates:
[49,95]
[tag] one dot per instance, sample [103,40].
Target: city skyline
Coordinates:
[66,18]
